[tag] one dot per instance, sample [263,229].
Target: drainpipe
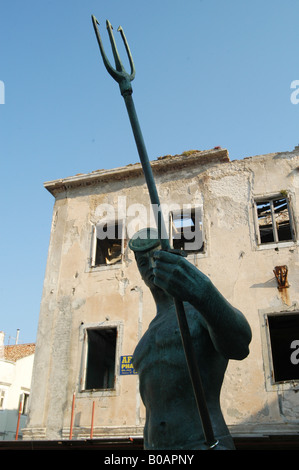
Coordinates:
[19,417]
[72,417]
[92,421]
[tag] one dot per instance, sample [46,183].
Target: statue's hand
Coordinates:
[229,330]
[179,278]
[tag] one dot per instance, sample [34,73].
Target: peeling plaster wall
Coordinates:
[76,295]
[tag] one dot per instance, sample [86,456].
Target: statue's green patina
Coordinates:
[219,332]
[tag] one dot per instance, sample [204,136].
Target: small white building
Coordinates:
[16,362]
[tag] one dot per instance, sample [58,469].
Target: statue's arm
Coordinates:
[228,328]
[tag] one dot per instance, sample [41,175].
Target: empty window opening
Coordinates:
[109,242]
[284,339]
[274,221]
[100,360]
[186,230]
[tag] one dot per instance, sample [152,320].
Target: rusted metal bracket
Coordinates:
[281,274]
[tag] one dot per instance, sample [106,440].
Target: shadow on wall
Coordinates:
[10,424]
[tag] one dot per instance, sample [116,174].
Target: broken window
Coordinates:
[273,221]
[100,358]
[284,340]
[108,243]
[186,230]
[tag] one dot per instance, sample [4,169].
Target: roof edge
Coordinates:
[162,164]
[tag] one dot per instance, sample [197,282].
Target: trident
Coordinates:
[124,80]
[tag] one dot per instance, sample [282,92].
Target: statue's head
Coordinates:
[144,243]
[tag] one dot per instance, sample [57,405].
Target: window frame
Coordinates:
[270,382]
[94,245]
[24,399]
[84,354]
[3,394]
[180,212]
[276,242]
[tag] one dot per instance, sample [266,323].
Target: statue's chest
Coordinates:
[162,343]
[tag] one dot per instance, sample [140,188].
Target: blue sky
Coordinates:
[208,73]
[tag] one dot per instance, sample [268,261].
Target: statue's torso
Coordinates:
[172,420]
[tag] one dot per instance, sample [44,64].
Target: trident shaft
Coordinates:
[124,80]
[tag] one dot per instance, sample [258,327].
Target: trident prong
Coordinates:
[119,73]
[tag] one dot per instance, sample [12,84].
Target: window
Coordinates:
[284,341]
[2,398]
[186,230]
[100,358]
[274,222]
[24,398]
[108,244]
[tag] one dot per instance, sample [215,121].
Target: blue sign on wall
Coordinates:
[126,366]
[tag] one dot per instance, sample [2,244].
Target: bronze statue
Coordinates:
[219,332]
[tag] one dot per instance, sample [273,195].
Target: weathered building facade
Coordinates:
[95,307]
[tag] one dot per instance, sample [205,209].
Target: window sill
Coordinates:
[282,386]
[106,267]
[105,392]
[273,246]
